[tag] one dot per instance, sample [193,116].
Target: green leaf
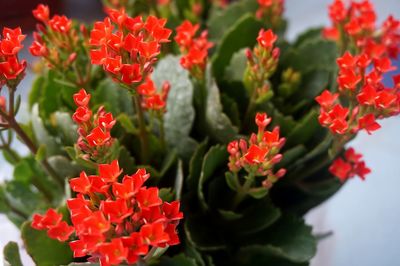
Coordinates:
[179,180]
[11,255]
[312,54]
[231,181]
[179,118]
[126,123]
[256,217]
[311,34]
[313,83]
[44,250]
[41,153]
[49,101]
[41,134]
[65,168]
[67,129]
[198,231]
[258,193]
[195,165]
[304,130]
[220,21]
[232,41]
[36,91]
[166,194]
[291,155]
[216,157]
[230,215]
[178,260]
[289,238]
[219,125]
[237,66]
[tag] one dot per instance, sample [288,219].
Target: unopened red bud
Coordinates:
[253,139]
[243,145]
[72,58]
[277,158]
[84,31]
[41,28]
[267,184]
[281,142]
[281,172]
[276,52]
[249,55]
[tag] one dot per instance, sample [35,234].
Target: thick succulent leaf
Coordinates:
[178,260]
[67,129]
[36,91]
[49,101]
[258,216]
[11,255]
[289,238]
[313,83]
[42,136]
[38,245]
[232,41]
[219,125]
[237,66]
[221,20]
[311,34]
[203,235]
[114,98]
[216,157]
[305,129]
[64,167]
[312,54]
[289,156]
[179,118]
[258,255]
[195,165]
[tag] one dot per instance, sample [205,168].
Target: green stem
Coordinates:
[243,190]
[143,134]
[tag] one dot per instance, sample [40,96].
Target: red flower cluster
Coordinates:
[358,22]
[368,98]
[262,63]
[127,47]
[114,222]
[262,154]
[52,222]
[194,49]
[94,130]
[350,166]
[151,99]
[10,44]
[56,41]
[271,10]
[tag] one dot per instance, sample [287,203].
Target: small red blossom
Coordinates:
[60,24]
[267,38]
[41,13]
[368,123]
[110,172]
[81,98]
[327,99]
[98,137]
[349,166]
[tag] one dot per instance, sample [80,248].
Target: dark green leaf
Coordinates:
[178,260]
[304,130]
[237,66]
[258,193]
[49,101]
[231,181]
[11,255]
[216,157]
[126,123]
[232,41]
[44,250]
[220,21]
[195,165]
[36,91]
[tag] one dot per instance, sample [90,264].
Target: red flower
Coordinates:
[38,49]
[11,43]
[130,184]
[367,95]
[131,73]
[266,39]
[61,231]
[154,234]
[347,61]
[80,184]
[262,120]
[255,154]
[352,156]
[147,87]
[50,219]
[110,172]
[171,210]
[98,137]
[148,197]
[327,99]
[383,65]
[340,169]
[82,114]
[60,24]
[41,13]
[81,98]
[385,99]
[116,211]
[361,170]
[112,253]
[12,68]
[136,247]
[185,33]
[337,11]
[368,123]
[348,79]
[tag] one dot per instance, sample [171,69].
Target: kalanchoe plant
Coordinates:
[203,145]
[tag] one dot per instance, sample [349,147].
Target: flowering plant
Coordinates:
[188,132]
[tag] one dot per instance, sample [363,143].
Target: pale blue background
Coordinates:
[364,216]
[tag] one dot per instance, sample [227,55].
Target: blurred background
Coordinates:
[364,217]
